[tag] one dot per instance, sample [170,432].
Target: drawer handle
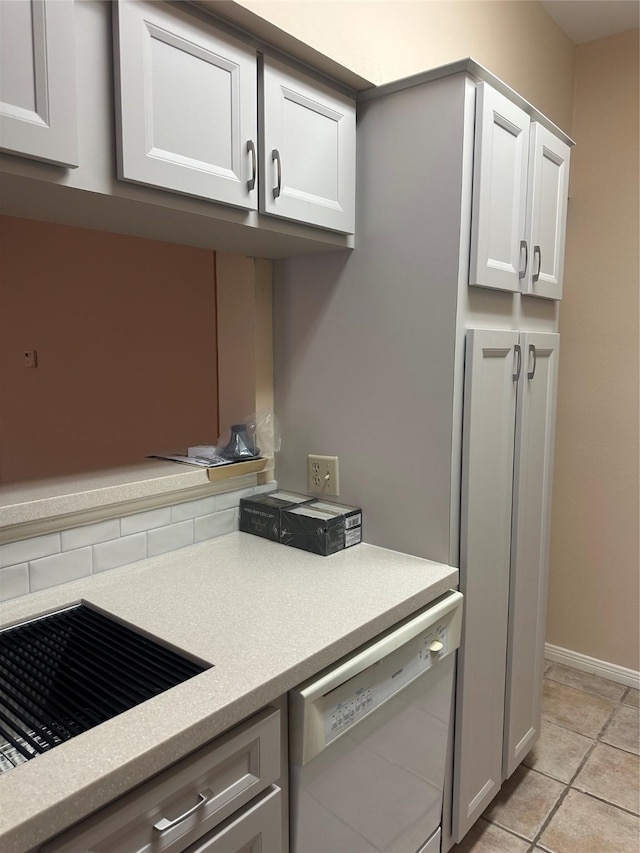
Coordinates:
[163,824]
[275,155]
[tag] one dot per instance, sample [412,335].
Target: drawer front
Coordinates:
[180,805]
[257,829]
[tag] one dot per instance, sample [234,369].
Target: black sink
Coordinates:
[67,672]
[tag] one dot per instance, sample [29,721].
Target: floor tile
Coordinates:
[624,730]
[585,825]
[524,802]
[558,752]
[586,681]
[612,775]
[631,698]
[484,837]
[574,709]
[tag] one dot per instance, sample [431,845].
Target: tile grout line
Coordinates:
[625,687]
[563,795]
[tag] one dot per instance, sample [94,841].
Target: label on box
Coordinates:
[353,536]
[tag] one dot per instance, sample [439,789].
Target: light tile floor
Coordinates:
[578,790]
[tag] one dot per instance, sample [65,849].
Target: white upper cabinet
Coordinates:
[38,116]
[498,250]
[308,150]
[520,189]
[187,105]
[547,212]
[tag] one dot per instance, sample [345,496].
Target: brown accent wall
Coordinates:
[125,331]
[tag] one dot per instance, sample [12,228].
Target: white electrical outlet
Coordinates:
[323,475]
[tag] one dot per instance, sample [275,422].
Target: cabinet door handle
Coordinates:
[251,149]
[275,155]
[532,349]
[518,351]
[164,824]
[536,251]
[523,245]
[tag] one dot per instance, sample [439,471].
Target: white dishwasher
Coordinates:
[368,741]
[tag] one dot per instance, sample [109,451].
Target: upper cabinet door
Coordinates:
[498,249]
[187,105]
[548,195]
[308,151]
[38,116]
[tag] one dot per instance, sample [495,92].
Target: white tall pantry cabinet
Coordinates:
[427,361]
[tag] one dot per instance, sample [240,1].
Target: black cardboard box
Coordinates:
[321,527]
[260,514]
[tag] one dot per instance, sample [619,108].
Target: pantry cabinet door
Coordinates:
[308,151]
[186,102]
[38,112]
[533,475]
[491,366]
[499,253]
[548,195]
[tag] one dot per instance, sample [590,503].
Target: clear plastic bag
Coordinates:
[256,435]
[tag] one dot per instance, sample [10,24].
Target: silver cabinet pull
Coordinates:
[532,349]
[275,155]
[523,245]
[163,824]
[518,352]
[536,251]
[251,149]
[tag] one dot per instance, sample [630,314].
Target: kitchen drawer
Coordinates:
[211,784]
[257,829]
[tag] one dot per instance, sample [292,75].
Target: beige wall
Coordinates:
[384,40]
[594,579]
[125,331]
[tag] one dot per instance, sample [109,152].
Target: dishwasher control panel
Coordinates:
[351,701]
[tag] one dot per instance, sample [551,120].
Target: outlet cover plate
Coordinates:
[322,475]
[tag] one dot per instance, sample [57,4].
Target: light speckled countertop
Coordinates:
[266,615]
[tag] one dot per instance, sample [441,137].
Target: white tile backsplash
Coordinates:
[90,534]
[51,571]
[171,537]
[145,520]
[14,581]
[127,549]
[267,487]
[216,524]
[193,509]
[45,561]
[232,499]
[29,549]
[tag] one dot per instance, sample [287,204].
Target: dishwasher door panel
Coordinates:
[379,786]
[368,741]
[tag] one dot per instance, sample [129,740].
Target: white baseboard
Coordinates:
[619,674]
